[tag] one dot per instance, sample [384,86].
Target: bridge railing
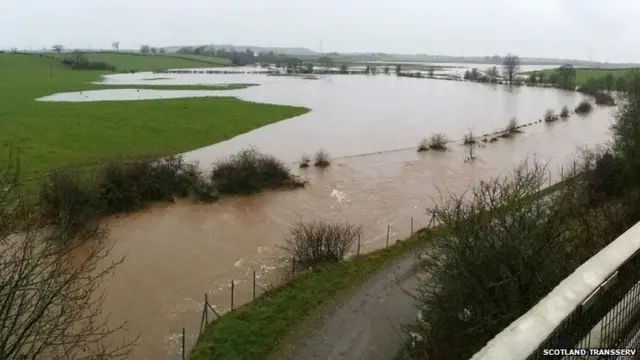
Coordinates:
[597,306]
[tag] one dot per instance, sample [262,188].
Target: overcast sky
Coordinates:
[605,30]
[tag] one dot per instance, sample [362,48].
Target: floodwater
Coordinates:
[371,125]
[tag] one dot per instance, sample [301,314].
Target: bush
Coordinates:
[564,113]
[584,107]
[317,242]
[249,172]
[423,145]
[68,203]
[503,248]
[550,116]
[512,128]
[603,98]
[304,161]
[468,139]
[322,159]
[438,142]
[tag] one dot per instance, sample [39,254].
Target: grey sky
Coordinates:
[605,30]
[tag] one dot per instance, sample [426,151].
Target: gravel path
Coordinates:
[368,323]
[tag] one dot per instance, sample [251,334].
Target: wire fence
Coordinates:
[209,314]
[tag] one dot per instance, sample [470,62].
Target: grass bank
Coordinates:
[51,135]
[124,61]
[258,329]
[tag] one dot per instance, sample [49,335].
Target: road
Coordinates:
[368,324]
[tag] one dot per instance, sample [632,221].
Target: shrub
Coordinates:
[304,161]
[512,127]
[249,172]
[68,203]
[564,113]
[525,245]
[319,242]
[550,116]
[423,145]
[321,159]
[584,107]
[468,139]
[603,98]
[438,142]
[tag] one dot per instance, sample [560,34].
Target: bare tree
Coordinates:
[57,48]
[504,246]
[470,142]
[50,298]
[492,73]
[511,67]
[116,45]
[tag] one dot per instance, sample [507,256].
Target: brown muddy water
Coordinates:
[175,253]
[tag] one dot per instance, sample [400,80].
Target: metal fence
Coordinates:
[596,307]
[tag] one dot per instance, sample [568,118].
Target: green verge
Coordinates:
[258,329]
[255,330]
[51,134]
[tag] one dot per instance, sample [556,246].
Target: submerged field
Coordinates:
[55,134]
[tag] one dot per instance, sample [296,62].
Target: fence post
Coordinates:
[254,285]
[232,287]
[387,243]
[412,226]
[358,252]
[206,309]
[183,351]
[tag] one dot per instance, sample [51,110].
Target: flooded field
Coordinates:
[371,125]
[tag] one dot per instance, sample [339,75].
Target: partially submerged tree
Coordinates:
[511,67]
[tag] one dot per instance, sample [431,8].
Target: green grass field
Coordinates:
[141,62]
[584,74]
[56,134]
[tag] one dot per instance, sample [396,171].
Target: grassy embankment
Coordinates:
[260,328]
[51,134]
